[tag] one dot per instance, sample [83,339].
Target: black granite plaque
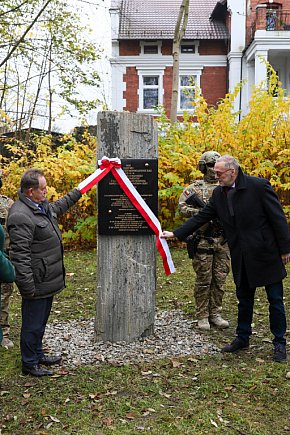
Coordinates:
[116,213]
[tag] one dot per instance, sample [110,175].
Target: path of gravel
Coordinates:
[174,337]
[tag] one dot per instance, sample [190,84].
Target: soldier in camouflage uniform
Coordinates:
[210,256]
[6,288]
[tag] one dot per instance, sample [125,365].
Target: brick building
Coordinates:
[223,43]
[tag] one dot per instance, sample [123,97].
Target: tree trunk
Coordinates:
[179,32]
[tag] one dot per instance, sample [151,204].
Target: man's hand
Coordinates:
[285,258]
[167,234]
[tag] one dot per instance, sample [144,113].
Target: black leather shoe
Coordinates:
[280,353]
[236,345]
[50,360]
[36,371]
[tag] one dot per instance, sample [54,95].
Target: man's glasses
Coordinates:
[219,173]
[210,164]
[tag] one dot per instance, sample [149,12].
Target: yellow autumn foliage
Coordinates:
[64,167]
[260,141]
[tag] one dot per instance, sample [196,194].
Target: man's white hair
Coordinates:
[229,161]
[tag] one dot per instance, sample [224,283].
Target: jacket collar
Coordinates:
[29,203]
[241,182]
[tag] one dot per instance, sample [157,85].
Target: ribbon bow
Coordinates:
[107,165]
[105,162]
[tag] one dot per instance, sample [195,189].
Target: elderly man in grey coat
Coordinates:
[36,251]
[258,237]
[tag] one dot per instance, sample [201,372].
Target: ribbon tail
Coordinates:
[148,215]
[93,179]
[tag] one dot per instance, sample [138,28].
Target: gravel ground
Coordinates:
[174,337]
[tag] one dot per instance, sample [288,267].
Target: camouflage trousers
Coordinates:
[6,291]
[211,264]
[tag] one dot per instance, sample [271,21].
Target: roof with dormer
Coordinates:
[156,19]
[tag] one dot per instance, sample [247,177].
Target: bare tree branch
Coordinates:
[14,9]
[24,34]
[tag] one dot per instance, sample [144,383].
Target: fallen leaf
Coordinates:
[194,360]
[111,393]
[95,396]
[253,387]
[213,423]
[146,373]
[175,363]
[56,420]
[165,394]
[108,421]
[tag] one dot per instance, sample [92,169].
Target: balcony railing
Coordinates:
[271,19]
[277,20]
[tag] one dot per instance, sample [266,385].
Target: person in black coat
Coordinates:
[258,236]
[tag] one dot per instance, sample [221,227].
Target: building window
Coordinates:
[187,49]
[150,92]
[150,49]
[150,89]
[186,91]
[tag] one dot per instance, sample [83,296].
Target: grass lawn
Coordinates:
[221,394]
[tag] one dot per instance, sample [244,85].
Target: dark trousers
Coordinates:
[277,317]
[35,313]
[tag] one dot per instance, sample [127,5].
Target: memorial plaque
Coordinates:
[116,213]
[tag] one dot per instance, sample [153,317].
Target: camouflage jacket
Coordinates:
[204,191]
[5,204]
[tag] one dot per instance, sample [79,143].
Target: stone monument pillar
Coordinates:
[126,263]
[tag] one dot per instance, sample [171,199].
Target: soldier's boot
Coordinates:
[203,324]
[7,343]
[217,320]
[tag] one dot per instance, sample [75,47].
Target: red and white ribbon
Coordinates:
[107,165]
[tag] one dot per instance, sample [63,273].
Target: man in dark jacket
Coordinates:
[37,253]
[258,236]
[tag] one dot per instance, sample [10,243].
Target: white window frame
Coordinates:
[152,43]
[194,73]
[195,43]
[149,73]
